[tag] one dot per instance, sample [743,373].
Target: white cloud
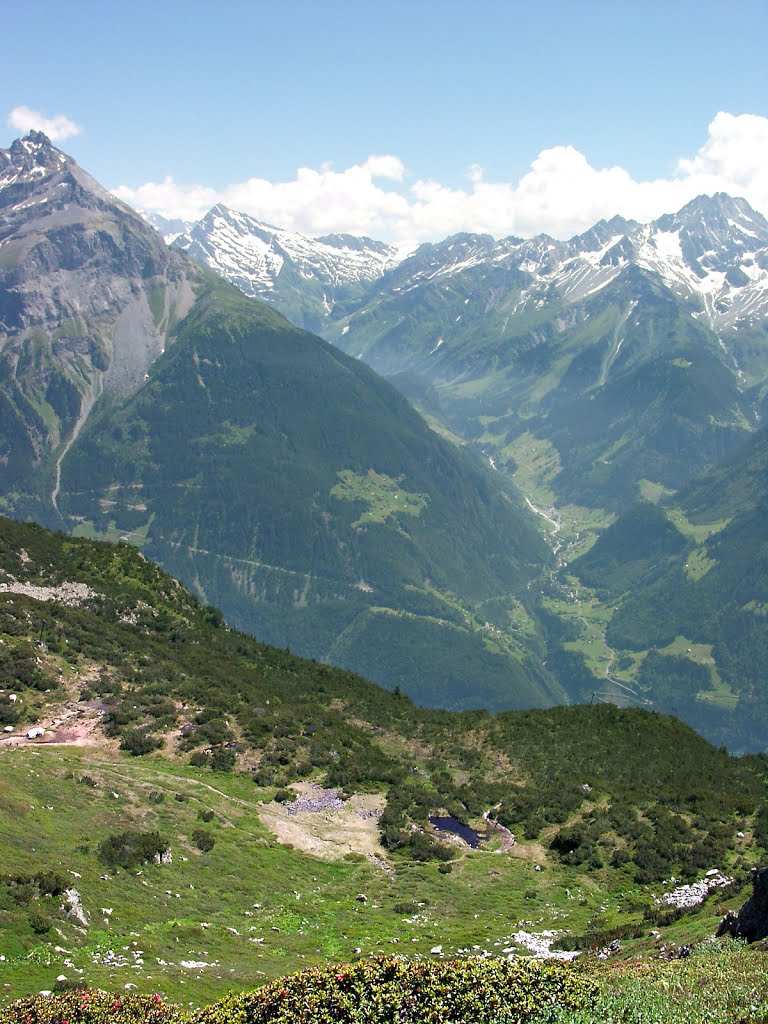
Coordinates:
[560,194]
[315,202]
[169,199]
[57,128]
[385,167]
[736,150]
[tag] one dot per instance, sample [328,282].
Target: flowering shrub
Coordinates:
[392,990]
[91,1007]
[401,991]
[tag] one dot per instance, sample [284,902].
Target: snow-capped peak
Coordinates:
[30,160]
[272,263]
[713,253]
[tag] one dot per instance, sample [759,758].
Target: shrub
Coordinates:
[384,989]
[89,1006]
[404,908]
[205,814]
[222,760]
[39,921]
[138,742]
[70,985]
[51,883]
[24,891]
[129,849]
[203,840]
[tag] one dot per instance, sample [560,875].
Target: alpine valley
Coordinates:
[594,374]
[146,399]
[556,566]
[448,552]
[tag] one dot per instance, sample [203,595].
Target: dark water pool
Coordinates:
[458,828]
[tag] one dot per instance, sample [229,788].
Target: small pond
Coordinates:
[458,828]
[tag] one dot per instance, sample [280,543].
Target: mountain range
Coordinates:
[595,456]
[568,508]
[144,398]
[634,354]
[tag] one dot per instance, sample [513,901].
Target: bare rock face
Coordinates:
[751,922]
[73,904]
[88,293]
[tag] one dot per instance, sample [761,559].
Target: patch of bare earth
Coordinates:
[531,851]
[68,724]
[328,833]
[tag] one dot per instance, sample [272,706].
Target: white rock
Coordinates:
[74,906]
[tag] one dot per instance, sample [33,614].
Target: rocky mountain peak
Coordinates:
[35,150]
[30,161]
[88,292]
[303,276]
[601,232]
[33,171]
[716,224]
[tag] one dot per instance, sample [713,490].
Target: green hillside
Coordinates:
[165,729]
[142,398]
[292,487]
[687,585]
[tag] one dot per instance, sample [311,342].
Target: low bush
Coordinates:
[131,848]
[389,989]
[138,742]
[91,1007]
[203,840]
[39,921]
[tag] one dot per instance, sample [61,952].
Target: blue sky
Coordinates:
[506,117]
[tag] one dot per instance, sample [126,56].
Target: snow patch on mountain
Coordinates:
[254,255]
[713,253]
